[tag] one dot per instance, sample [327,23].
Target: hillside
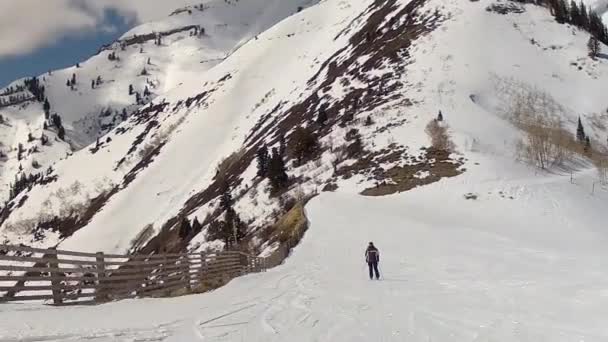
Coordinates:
[377,84]
[490,217]
[192,40]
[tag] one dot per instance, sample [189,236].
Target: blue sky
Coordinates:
[66,51]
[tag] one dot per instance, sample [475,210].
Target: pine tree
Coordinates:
[440,116]
[61,133]
[69,84]
[77,65]
[20,151]
[593,45]
[98,81]
[282,145]
[322,117]
[149,61]
[561,13]
[355,146]
[47,108]
[124,114]
[232,230]
[263,160]
[184,228]
[146,91]
[303,144]
[575,15]
[196,226]
[584,16]
[580,132]
[130,89]
[144,72]
[73,79]
[30,137]
[92,84]
[369,121]
[277,172]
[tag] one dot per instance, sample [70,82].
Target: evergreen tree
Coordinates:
[56,120]
[20,151]
[196,226]
[276,171]
[184,228]
[593,45]
[46,107]
[263,160]
[30,137]
[130,89]
[73,82]
[584,16]
[98,81]
[144,72]
[440,116]
[282,145]
[232,230]
[355,146]
[124,114]
[146,91]
[575,15]
[580,132]
[61,133]
[77,65]
[369,121]
[69,84]
[149,61]
[92,84]
[303,144]
[322,117]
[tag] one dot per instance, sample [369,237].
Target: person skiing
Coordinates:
[372,257]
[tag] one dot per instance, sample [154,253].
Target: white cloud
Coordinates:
[26,25]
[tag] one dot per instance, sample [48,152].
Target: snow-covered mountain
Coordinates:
[364,78]
[491,220]
[121,78]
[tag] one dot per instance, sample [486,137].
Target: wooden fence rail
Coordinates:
[68,277]
[65,277]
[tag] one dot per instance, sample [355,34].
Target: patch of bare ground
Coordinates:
[432,166]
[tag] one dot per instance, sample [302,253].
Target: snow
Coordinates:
[490,269]
[524,259]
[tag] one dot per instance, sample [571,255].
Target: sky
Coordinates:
[38,36]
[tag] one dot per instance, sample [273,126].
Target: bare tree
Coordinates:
[545,142]
[440,137]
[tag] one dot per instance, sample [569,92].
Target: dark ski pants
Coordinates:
[373,267]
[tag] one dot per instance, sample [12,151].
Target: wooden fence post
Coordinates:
[55,275]
[188,275]
[202,270]
[101,293]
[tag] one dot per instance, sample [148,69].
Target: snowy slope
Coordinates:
[494,269]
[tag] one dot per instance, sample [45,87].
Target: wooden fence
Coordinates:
[65,277]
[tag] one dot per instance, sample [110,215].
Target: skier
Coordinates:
[372,257]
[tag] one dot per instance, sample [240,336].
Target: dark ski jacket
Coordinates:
[372,255]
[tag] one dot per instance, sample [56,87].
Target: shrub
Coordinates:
[440,137]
